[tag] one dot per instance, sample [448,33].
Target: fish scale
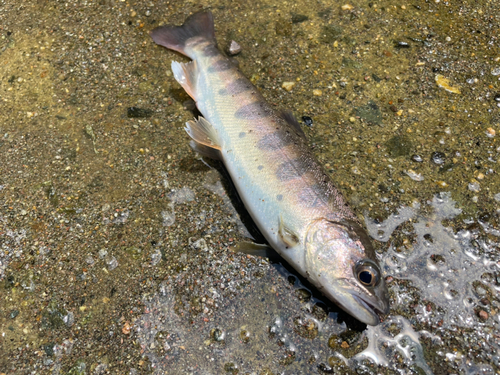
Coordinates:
[285,190]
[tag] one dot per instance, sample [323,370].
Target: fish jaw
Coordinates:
[335,257]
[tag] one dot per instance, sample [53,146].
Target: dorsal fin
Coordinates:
[292,121]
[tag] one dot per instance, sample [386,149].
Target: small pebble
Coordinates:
[474,186]
[347,7]
[234,48]
[417,158]
[402,45]
[317,92]
[480,176]
[288,86]
[126,328]
[352,119]
[414,175]
[444,83]
[490,132]
[483,314]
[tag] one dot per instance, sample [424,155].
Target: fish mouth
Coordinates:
[374,310]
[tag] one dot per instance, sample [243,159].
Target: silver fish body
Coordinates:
[286,191]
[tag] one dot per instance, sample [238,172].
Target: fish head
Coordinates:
[341,262]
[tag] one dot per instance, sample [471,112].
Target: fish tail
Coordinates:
[198,27]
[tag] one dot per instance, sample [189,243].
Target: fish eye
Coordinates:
[367,274]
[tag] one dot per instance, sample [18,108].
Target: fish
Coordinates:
[284,188]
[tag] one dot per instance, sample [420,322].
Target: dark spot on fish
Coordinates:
[210,51]
[311,196]
[236,87]
[220,66]
[291,169]
[242,134]
[260,167]
[274,141]
[279,197]
[253,111]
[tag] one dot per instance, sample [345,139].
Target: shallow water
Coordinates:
[115,237]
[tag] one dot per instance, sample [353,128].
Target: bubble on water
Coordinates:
[382,345]
[121,217]
[102,253]
[111,262]
[182,195]
[176,197]
[168,217]
[442,269]
[156,257]
[11,245]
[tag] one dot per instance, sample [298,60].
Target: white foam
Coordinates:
[447,283]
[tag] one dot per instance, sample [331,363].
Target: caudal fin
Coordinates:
[199,25]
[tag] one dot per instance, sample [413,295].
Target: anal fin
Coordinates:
[205,138]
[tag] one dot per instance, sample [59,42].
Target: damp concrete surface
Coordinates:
[115,237]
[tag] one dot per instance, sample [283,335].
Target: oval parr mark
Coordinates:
[220,66]
[254,111]
[274,141]
[236,87]
[291,169]
[242,135]
[279,197]
[311,197]
[210,51]
[260,167]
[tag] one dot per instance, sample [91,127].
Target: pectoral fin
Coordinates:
[289,238]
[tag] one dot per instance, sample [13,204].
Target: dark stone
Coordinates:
[370,113]
[136,112]
[298,18]
[283,27]
[307,120]
[331,33]
[350,63]
[399,145]
[49,349]
[497,97]
[438,157]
